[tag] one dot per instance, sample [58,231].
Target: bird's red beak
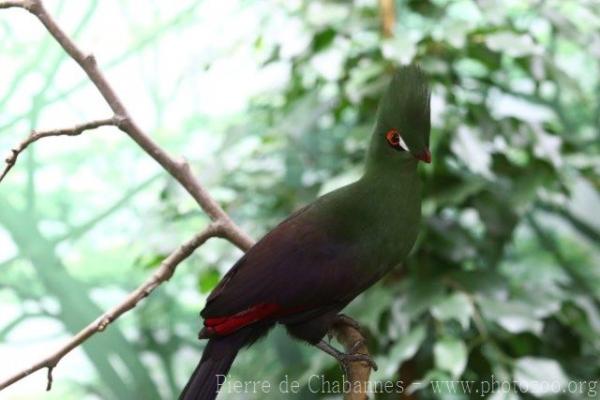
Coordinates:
[424,156]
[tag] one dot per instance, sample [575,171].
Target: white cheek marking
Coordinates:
[402,144]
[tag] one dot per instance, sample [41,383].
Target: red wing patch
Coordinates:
[231,323]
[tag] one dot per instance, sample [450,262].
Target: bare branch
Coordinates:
[14,3]
[180,170]
[162,274]
[35,136]
[387,10]
[49,379]
[222,225]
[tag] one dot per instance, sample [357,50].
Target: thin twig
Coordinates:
[222,225]
[180,170]
[162,274]
[35,136]
[13,3]
[49,379]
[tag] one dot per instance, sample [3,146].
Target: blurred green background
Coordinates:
[272,102]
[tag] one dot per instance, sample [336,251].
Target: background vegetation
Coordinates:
[273,102]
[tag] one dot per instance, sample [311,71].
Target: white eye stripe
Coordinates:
[402,143]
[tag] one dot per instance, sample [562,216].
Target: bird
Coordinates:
[307,269]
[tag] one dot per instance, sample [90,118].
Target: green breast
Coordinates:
[378,217]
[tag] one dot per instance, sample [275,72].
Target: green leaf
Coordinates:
[539,376]
[369,307]
[438,381]
[421,295]
[513,316]
[402,350]
[208,280]
[503,395]
[323,39]
[512,43]
[149,261]
[450,354]
[456,306]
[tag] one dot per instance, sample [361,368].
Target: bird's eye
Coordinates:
[395,140]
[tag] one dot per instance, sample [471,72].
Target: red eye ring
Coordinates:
[393,137]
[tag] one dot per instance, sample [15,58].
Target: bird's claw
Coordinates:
[347,358]
[354,356]
[356,346]
[351,356]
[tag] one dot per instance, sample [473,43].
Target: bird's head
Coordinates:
[403,118]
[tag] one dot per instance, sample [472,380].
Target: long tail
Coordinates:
[216,360]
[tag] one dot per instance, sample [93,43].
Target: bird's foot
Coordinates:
[354,356]
[356,346]
[329,337]
[345,359]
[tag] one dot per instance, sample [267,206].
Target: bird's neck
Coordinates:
[389,199]
[390,169]
[392,186]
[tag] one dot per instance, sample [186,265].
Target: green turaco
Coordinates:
[308,268]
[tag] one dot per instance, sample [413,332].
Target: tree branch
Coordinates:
[162,274]
[14,3]
[222,225]
[35,136]
[348,334]
[387,10]
[180,170]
